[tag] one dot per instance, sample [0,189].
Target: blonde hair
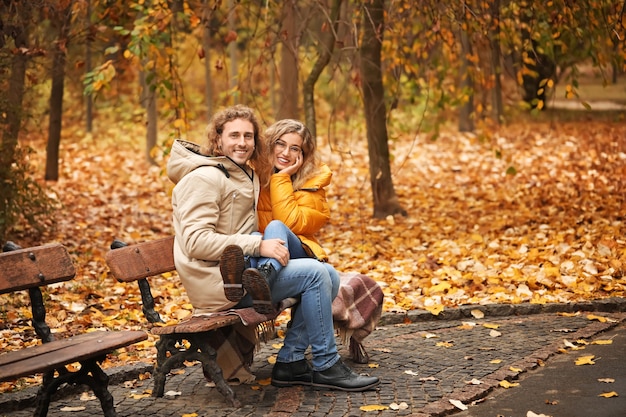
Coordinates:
[310,157]
[215,128]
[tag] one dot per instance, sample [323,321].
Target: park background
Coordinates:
[478,148]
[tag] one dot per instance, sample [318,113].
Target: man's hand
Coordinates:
[275,248]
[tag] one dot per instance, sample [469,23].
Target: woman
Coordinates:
[293,208]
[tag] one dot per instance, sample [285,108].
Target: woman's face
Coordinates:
[237,140]
[287,150]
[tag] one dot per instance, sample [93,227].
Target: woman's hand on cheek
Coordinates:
[292,169]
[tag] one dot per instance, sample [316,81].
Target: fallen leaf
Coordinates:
[265,382]
[411,373]
[401,406]
[506,384]
[491,325]
[515,369]
[373,407]
[564,314]
[190,415]
[585,360]
[474,381]
[458,404]
[173,393]
[72,409]
[445,344]
[495,361]
[596,317]
[608,394]
[478,314]
[429,378]
[495,333]
[607,380]
[602,342]
[87,396]
[531,414]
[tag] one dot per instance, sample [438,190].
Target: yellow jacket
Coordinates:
[304,211]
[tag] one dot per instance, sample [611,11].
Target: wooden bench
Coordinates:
[140,261]
[32,268]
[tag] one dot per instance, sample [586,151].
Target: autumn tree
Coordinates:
[385,200]
[60,19]
[22,199]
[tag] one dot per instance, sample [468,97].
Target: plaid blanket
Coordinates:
[356,311]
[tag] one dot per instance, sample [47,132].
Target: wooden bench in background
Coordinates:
[32,268]
[140,261]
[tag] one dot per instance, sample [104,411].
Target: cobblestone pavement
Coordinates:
[423,365]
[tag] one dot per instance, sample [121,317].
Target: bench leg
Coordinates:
[98,381]
[207,356]
[165,364]
[201,351]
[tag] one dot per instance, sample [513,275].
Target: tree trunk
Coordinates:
[14,98]
[325,49]
[148,101]
[466,112]
[288,105]
[88,68]
[232,53]
[206,45]
[496,67]
[385,200]
[63,18]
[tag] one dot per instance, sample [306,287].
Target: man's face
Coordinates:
[237,140]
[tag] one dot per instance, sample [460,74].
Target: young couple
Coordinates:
[215,223]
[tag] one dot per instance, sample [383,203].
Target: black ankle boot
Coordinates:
[268,272]
[293,373]
[341,377]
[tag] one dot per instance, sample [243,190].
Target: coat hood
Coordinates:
[187,156]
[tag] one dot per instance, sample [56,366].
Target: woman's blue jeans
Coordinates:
[316,284]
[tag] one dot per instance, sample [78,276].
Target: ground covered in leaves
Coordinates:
[534,212]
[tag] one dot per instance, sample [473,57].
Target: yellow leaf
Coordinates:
[608,394]
[372,365]
[265,381]
[594,317]
[373,407]
[271,359]
[585,360]
[515,369]
[495,361]
[435,309]
[507,384]
[602,342]
[491,325]
[445,344]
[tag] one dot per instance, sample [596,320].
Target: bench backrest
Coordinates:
[27,268]
[141,260]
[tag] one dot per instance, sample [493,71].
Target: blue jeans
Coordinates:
[278,230]
[312,321]
[316,284]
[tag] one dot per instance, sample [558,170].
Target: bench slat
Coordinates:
[198,324]
[142,260]
[32,267]
[50,356]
